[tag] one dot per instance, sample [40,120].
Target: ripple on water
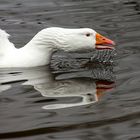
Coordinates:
[115,116]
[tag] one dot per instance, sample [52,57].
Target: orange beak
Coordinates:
[103,42]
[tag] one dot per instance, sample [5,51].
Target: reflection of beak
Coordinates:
[103,42]
[102,86]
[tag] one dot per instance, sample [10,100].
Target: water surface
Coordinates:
[101,111]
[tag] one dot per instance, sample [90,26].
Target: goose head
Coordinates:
[72,39]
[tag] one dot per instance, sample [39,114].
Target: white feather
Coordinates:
[38,51]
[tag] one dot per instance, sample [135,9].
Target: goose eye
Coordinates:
[88,34]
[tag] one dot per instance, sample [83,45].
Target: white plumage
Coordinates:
[39,50]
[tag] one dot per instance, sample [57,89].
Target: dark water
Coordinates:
[29,103]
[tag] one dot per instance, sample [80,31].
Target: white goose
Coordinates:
[38,51]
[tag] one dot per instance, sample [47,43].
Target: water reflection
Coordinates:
[93,82]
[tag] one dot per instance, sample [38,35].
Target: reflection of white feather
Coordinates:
[86,100]
[4,87]
[86,90]
[42,81]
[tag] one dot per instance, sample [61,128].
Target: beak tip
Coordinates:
[113,43]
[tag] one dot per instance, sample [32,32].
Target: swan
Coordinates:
[39,50]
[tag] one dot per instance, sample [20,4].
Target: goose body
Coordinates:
[39,50]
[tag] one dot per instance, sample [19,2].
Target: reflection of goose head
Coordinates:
[69,85]
[38,51]
[85,89]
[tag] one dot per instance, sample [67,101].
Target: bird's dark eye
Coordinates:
[88,34]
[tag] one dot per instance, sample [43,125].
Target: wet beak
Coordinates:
[103,42]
